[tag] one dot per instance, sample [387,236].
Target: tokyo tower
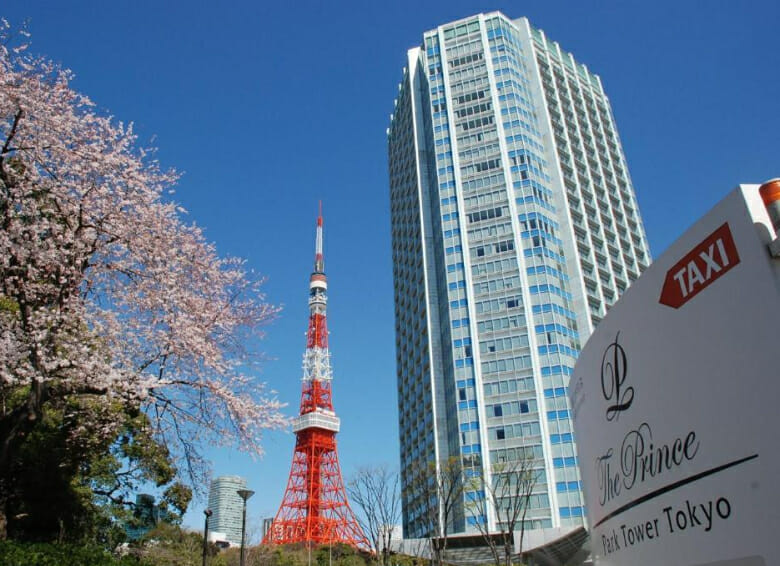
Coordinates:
[314,508]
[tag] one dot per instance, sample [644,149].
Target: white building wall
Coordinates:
[514,227]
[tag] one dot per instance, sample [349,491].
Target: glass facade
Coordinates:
[514,227]
[610,239]
[227,507]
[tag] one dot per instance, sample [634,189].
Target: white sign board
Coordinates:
[675,401]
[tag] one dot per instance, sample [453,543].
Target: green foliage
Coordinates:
[9,305]
[169,545]
[90,480]
[178,496]
[46,554]
[46,457]
[406,560]
[340,554]
[294,555]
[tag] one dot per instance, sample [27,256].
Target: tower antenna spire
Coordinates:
[319,260]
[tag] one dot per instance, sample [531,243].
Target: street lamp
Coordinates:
[208,513]
[245,494]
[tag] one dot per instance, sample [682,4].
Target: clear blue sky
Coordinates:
[268,107]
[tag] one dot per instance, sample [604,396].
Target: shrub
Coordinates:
[47,554]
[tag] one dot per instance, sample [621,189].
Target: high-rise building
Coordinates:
[227,507]
[514,227]
[146,515]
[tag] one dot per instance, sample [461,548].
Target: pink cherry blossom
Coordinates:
[106,291]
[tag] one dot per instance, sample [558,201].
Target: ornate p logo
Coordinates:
[614,369]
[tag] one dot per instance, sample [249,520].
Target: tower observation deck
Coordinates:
[315,508]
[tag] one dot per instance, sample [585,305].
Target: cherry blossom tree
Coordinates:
[107,296]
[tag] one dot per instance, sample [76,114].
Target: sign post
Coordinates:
[675,402]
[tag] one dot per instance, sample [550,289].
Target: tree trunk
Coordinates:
[3,507]
[13,428]
[5,474]
[436,552]
[493,550]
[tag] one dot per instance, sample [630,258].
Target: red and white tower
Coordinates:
[315,508]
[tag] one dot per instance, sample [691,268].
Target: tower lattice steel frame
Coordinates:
[315,508]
